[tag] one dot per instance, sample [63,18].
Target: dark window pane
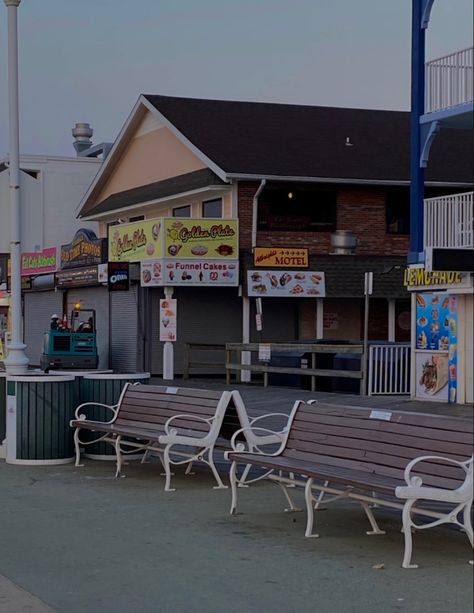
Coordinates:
[297,210]
[397,211]
[182,211]
[137,218]
[212,208]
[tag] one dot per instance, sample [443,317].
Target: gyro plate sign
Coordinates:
[189,272]
[293,283]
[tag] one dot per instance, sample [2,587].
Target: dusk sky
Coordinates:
[88,60]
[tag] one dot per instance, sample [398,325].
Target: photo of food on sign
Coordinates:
[201,238]
[189,272]
[274,283]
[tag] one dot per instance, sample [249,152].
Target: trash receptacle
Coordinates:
[346,361]
[40,408]
[325,361]
[287,359]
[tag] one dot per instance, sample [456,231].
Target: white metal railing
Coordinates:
[448,221]
[449,80]
[389,369]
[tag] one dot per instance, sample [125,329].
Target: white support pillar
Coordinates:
[391,320]
[319,318]
[168,349]
[16,362]
[245,375]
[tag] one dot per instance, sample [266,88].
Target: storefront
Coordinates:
[190,264]
[442,340]
[58,281]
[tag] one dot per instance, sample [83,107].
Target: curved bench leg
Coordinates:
[407,531]
[118,455]
[292,508]
[77,448]
[210,461]
[373,521]
[189,469]
[233,486]
[168,473]
[308,496]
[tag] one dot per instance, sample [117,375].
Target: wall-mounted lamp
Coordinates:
[290,195]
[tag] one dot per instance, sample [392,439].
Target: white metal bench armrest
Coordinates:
[254,420]
[81,417]
[417,481]
[169,431]
[240,446]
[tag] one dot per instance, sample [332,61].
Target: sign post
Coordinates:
[368,288]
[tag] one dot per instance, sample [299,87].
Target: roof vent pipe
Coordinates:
[255,212]
[82,133]
[343,242]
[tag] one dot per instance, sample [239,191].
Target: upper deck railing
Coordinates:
[449,80]
[449,221]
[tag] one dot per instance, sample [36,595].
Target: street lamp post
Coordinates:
[16,362]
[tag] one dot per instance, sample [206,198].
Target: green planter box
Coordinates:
[39,411]
[104,388]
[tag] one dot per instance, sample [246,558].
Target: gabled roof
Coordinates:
[249,140]
[286,140]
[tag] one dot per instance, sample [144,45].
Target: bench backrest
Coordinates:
[381,442]
[150,406]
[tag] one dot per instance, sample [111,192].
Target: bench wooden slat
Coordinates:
[319,420]
[144,391]
[136,400]
[388,439]
[166,410]
[440,422]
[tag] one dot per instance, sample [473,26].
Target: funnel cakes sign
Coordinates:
[172,238]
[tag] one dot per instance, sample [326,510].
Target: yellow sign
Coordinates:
[209,239]
[2,355]
[133,242]
[284,257]
[419,277]
[171,237]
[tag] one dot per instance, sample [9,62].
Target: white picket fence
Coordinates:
[449,80]
[389,369]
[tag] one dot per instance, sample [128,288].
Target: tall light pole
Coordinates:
[16,362]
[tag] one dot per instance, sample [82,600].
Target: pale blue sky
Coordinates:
[88,60]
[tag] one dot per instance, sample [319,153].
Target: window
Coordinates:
[212,208]
[137,218]
[182,211]
[297,210]
[397,211]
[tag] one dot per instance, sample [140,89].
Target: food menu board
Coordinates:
[436,331]
[168,319]
[293,283]
[187,272]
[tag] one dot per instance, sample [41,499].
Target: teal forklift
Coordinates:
[73,346]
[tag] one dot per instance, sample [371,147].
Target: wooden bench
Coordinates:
[181,425]
[381,458]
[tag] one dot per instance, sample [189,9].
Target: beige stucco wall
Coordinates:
[151,156]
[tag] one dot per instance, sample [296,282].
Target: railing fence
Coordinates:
[449,80]
[389,369]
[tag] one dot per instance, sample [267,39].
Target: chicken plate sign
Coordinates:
[171,237]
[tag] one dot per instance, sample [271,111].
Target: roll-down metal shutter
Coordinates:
[38,308]
[94,298]
[125,331]
[205,315]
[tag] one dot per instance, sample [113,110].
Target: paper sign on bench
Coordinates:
[171,390]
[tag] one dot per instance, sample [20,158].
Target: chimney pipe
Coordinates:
[82,133]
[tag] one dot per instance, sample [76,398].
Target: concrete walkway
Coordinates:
[76,540]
